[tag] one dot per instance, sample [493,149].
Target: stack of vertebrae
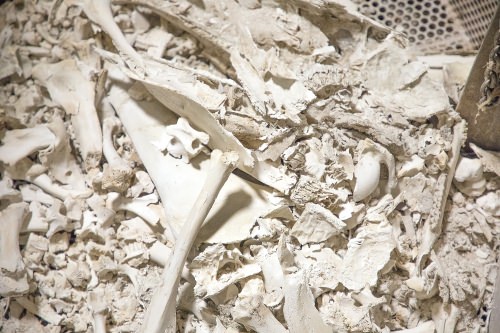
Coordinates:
[122,122]
[434,26]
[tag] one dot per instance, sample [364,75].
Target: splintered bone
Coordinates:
[252,313]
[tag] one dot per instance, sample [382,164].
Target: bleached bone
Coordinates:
[445,317]
[211,282]
[59,158]
[425,327]
[180,91]
[117,174]
[77,273]
[44,182]
[160,254]
[251,312]
[13,276]
[411,167]
[490,203]
[42,310]
[71,89]
[344,9]
[469,178]
[367,170]
[24,170]
[299,309]
[366,298]
[99,11]
[138,206]
[433,226]
[133,275]
[19,143]
[7,190]
[373,243]
[316,224]
[160,316]
[197,306]
[182,141]
[99,308]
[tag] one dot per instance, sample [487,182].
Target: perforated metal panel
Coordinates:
[475,16]
[434,26]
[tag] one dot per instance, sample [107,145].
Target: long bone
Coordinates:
[160,316]
[433,226]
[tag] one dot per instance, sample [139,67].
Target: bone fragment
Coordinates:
[13,278]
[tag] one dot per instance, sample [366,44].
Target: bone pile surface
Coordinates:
[354,205]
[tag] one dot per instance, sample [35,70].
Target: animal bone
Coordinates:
[20,143]
[469,177]
[252,313]
[316,224]
[99,310]
[172,87]
[367,170]
[300,312]
[44,311]
[13,277]
[182,141]
[160,316]
[138,206]
[117,174]
[70,88]
[100,12]
[433,226]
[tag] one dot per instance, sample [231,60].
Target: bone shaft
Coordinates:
[205,201]
[99,323]
[108,148]
[158,319]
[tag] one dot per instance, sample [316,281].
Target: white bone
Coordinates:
[13,278]
[160,316]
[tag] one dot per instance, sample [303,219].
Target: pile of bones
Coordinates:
[234,166]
